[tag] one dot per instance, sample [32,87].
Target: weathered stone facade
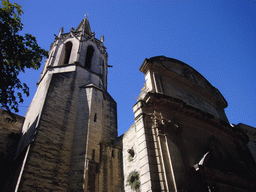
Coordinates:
[9,132]
[9,138]
[251,133]
[181,136]
[67,137]
[181,139]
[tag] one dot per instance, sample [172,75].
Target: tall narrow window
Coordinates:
[68,49]
[89,55]
[113,154]
[93,154]
[95,117]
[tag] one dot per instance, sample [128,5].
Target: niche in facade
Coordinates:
[131,154]
[89,55]
[67,53]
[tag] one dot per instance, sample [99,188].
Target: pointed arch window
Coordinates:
[68,49]
[89,55]
[66,53]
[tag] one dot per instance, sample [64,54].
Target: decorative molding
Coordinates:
[163,123]
[161,101]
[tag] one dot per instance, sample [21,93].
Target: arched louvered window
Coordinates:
[89,55]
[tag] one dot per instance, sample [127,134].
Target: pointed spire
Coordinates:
[86,15]
[102,39]
[84,26]
[61,31]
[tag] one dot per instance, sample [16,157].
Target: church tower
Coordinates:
[67,137]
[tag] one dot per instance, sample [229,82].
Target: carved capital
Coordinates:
[163,124]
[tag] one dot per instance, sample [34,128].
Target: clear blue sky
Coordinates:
[217,38]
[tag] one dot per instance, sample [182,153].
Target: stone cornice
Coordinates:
[177,105]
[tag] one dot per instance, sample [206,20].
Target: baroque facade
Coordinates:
[181,139]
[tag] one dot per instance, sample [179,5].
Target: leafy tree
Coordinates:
[17,53]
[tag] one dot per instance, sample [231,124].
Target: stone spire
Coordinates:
[84,26]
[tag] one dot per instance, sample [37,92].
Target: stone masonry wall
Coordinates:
[76,117]
[110,172]
[9,137]
[47,166]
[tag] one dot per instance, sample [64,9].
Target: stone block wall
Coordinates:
[9,137]
[110,175]
[130,158]
[47,166]
[9,132]
[77,116]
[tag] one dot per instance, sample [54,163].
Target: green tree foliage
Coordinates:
[17,54]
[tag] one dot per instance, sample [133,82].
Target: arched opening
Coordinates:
[68,49]
[89,55]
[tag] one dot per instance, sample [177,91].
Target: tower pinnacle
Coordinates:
[85,16]
[84,25]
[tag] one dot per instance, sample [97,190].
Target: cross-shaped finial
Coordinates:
[86,15]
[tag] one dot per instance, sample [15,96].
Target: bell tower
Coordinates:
[69,129]
[79,47]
